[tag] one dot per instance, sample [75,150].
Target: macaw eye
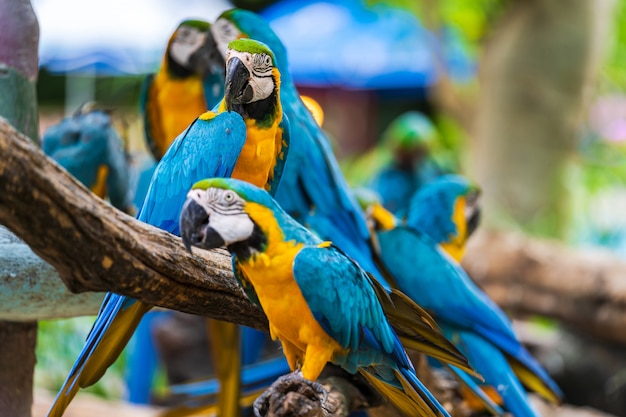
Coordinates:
[229,196]
[268,60]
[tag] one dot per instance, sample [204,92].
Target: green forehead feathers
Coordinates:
[209,183]
[251,46]
[201,25]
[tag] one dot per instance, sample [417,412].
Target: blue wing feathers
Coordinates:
[207,148]
[342,316]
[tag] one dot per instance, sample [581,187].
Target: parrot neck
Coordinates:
[175,70]
[256,243]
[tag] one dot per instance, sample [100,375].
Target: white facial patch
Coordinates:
[232,227]
[224,31]
[187,41]
[226,214]
[260,68]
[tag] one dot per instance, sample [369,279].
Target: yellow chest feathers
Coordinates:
[271,275]
[257,159]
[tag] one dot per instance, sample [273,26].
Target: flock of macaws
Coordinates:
[353,282]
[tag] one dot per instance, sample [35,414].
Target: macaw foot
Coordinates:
[292,395]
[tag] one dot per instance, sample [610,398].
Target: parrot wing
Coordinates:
[208,148]
[440,285]
[341,298]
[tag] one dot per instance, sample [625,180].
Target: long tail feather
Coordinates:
[417,329]
[224,340]
[115,324]
[545,388]
[411,404]
[469,383]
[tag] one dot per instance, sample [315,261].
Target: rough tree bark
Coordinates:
[535,74]
[18,102]
[95,247]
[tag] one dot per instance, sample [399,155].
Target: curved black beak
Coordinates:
[472,214]
[195,229]
[208,59]
[237,89]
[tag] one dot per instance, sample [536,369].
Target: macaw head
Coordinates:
[251,77]
[88,146]
[446,209]
[409,138]
[243,24]
[192,51]
[219,212]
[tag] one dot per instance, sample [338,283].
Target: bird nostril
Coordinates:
[197,238]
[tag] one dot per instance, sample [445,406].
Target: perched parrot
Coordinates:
[247,137]
[189,81]
[87,145]
[444,212]
[313,189]
[319,303]
[402,161]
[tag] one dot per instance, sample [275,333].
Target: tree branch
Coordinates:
[95,247]
[584,289]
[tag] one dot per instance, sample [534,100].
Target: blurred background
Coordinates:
[526,98]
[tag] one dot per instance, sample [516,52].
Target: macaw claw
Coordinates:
[291,395]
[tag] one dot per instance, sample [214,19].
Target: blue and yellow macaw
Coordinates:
[319,303]
[313,189]
[246,137]
[401,162]
[87,145]
[189,81]
[441,216]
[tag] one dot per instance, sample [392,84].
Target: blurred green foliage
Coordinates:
[614,72]
[58,344]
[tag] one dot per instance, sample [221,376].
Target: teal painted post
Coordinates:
[19,38]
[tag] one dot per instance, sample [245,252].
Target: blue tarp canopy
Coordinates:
[112,37]
[344,43]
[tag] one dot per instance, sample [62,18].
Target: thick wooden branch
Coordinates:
[95,247]
[584,289]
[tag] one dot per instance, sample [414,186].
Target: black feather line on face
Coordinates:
[176,70]
[262,111]
[257,242]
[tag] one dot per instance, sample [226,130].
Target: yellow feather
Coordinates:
[106,352]
[172,105]
[224,340]
[100,186]
[532,381]
[455,247]
[408,401]
[384,219]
